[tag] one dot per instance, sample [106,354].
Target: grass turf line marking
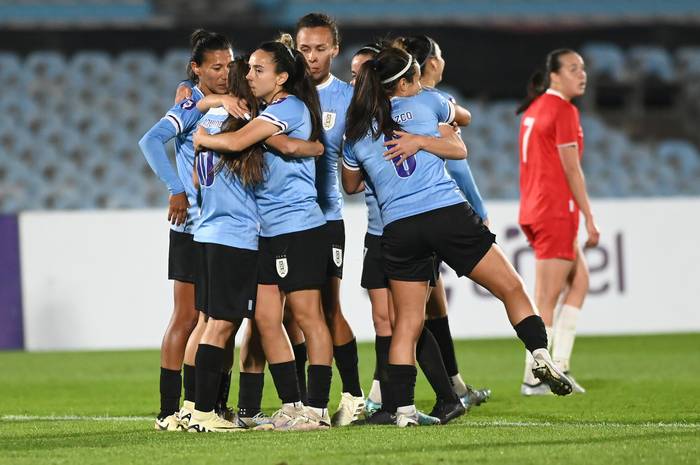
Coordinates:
[478,423]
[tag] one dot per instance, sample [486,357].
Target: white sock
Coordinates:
[550,336]
[319,411]
[188,404]
[565,331]
[375,392]
[295,405]
[406,410]
[458,385]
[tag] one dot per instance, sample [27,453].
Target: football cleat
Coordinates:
[447,411]
[185,414]
[210,422]
[259,421]
[426,420]
[475,397]
[381,417]
[539,389]
[577,387]
[349,409]
[225,412]
[546,371]
[297,418]
[169,423]
[371,407]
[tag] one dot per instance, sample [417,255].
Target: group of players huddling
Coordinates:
[257,230]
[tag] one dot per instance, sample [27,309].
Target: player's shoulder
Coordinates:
[447,96]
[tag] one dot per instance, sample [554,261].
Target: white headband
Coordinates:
[291,54]
[400,73]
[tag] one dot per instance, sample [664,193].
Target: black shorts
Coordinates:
[373,274]
[227,283]
[335,233]
[294,261]
[181,257]
[454,234]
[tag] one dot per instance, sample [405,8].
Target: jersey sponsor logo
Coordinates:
[282,267]
[337,256]
[188,104]
[328,120]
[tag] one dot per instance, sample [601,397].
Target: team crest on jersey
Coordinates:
[337,256]
[328,120]
[187,104]
[282,268]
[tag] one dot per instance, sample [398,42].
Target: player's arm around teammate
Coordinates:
[553,192]
[292,256]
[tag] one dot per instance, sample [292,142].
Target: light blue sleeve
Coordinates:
[152,145]
[349,160]
[462,174]
[184,116]
[286,114]
[443,108]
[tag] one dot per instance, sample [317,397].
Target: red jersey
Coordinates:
[549,123]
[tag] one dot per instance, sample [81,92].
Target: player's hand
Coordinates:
[404,146]
[182,93]
[236,107]
[593,233]
[197,137]
[177,208]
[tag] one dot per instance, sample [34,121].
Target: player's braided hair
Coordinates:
[539,81]
[370,107]
[249,164]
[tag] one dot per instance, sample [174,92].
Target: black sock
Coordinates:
[300,363]
[381,349]
[170,388]
[402,382]
[250,391]
[347,363]
[440,327]
[188,381]
[319,385]
[224,389]
[430,360]
[285,377]
[208,364]
[531,331]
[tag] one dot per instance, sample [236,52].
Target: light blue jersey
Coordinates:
[228,212]
[178,123]
[335,96]
[462,173]
[287,196]
[421,183]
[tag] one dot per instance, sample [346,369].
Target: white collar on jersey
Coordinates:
[555,92]
[326,83]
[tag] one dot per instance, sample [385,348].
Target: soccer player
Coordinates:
[211,55]
[292,245]
[318,40]
[424,216]
[227,233]
[552,196]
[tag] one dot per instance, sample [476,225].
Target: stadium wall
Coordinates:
[97,280]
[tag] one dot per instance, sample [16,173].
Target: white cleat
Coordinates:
[185,414]
[546,371]
[404,420]
[349,409]
[314,420]
[169,423]
[539,389]
[210,422]
[295,418]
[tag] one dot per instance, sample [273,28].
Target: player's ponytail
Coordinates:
[299,81]
[202,41]
[539,80]
[249,164]
[370,107]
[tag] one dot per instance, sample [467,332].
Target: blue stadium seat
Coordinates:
[604,60]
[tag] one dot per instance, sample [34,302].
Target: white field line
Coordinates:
[477,423]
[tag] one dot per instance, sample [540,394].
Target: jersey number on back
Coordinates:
[529,123]
[406,168]
[205,168]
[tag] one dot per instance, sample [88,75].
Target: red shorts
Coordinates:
[554,238]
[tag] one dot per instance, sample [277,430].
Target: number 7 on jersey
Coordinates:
[528,122]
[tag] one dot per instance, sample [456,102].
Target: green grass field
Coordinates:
[642,406]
